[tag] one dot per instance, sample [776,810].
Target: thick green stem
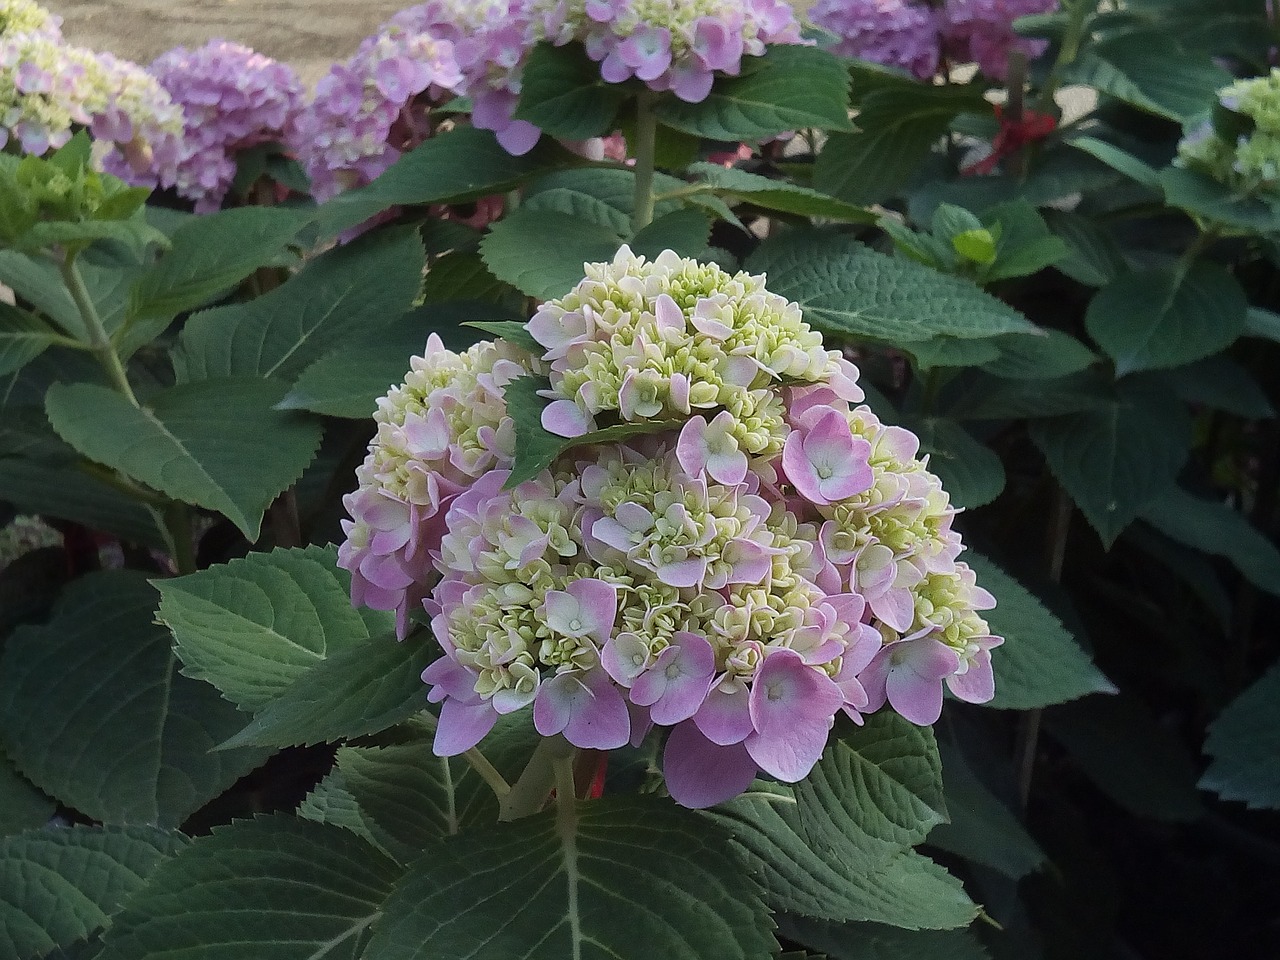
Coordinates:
[646,145]
[177,519]
[99,342]
[488,772]
[529,794]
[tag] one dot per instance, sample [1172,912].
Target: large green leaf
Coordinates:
[838,844]
[1167,317]
[100,681]
[1220,383]
[683,231]
[898,124]
[22,805]
[1094,256]
[343,295]
[59,886]
[253,627]
[210,255]
[982,828]
[1148,69]
[781,195]
[190,442]
[1116,459]
[789,88]
[1210,200]
[1056,354]
[563,242]
[970,471]
[846,288]
[1244,742]
[1216,528]
[459,165]
[347,382]
[275,888]
[23,337]
[1039,663]
[331,802]
[563,94]
[616,879]
[358,690]
[878,941]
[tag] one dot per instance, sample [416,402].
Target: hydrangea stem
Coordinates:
[529,794]
[99,342]
[488,772]
[646,146]
[177,520]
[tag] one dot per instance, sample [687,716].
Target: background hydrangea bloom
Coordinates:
[981,31]
[1252,163]
[896,33]
[771,557]
[27,16]
[232,98]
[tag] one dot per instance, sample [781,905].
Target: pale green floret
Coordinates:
[677,16]
[944,601]
[1252,163]
[25,16]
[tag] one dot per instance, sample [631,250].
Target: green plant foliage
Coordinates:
[61,885]
[563,94]
[190,443]
[343,295]
[548,887]
[100,680]
[22,805]
[780,195]
[845,288]
[1056,354]
[878,941]
[1136,442]
[789,88]
[1243,742]
[1167,317]
[1040,663]
[1219,383]
[837,844]
[23,337]
[254,627]
[970,471]
[274,887]
[566,242]
[1206,198]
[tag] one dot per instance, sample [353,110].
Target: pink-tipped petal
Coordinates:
[462,726]
[699,773]
[792,706]
[725,715]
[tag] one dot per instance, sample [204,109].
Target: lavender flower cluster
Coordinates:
[913,35]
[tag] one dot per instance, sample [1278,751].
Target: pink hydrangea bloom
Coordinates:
[896,33]
[981,31]
[763,558]
[232,98]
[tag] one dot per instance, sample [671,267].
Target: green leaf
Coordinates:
[1217,529]
[1129,755]
[512,331]
[1094,256]
[211,255]
[602,195]
[953,352]
[253,627]
[781,195]
[845,288]
[39,283]
[100,681]
[1262,323]
[58,886]
[898,124]
[684,231]
[454,167]
[1210,200]
[1039,663]
[331,802]
[537,448]
[789,88]
[1116,459]
[1024,243]
[67,492]
[1167,317]
[990,398]
[563,94]
[1119,160]
[837,844]
[22,805]
[1151,71]
[135,234]
[1244,742]
[347,381]
[341,295]
[190,442]
[1056,354]
[274,888]
[587,885]
[564,243]
[1218,382]
[982,828]
[23,337]
[462,275]
[878,941]
[358,690]
[970,471]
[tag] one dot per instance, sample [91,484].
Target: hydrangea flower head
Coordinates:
[757,555]
[981,31]
[1252,163]
[232,98]
[896,33]
[27,16]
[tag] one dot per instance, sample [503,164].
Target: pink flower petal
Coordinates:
[699,773]
[586,707]
[725,715]
[565,418]
[792,706]
[677,683]
[462,726]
